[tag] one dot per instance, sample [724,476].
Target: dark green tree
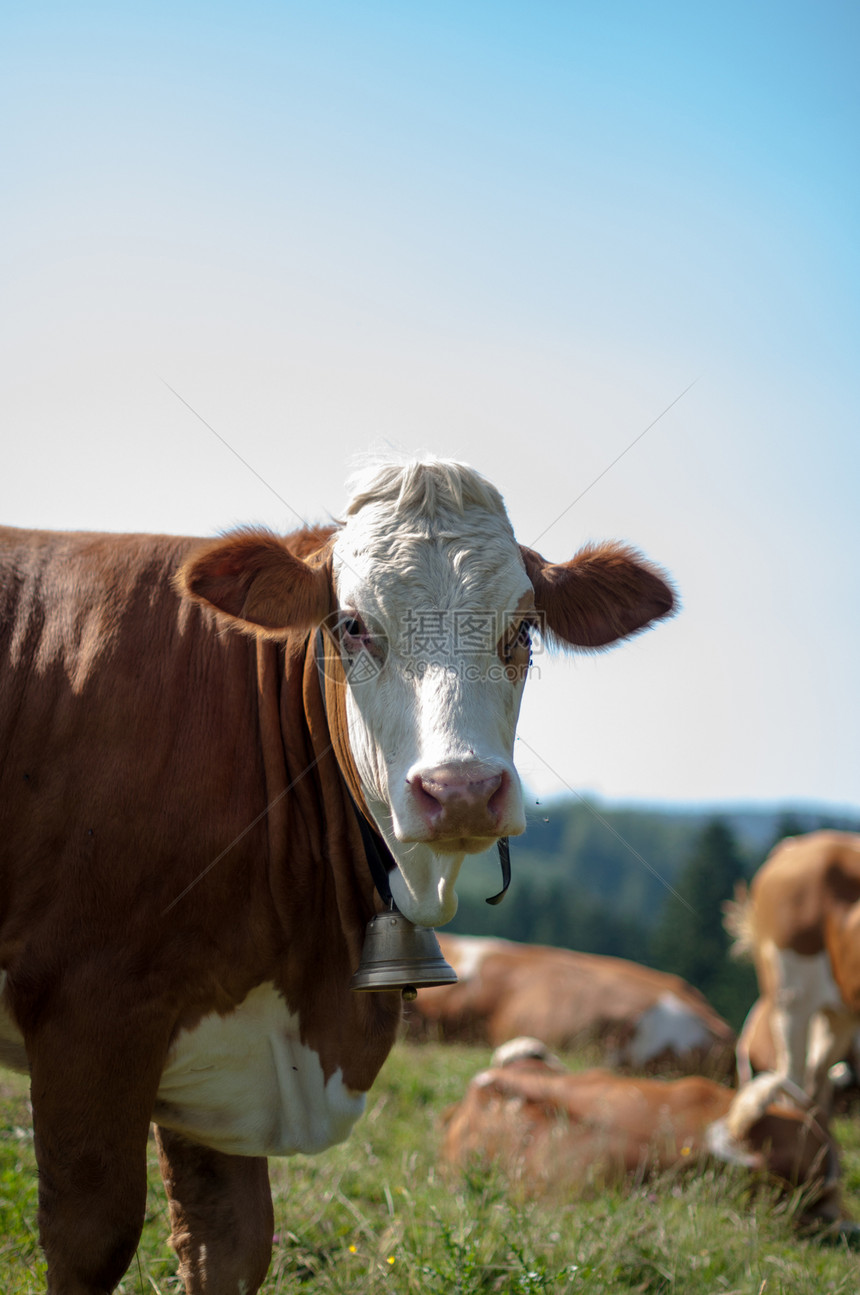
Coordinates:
[690,939]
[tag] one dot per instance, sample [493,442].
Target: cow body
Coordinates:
[553,1131]
[801,925]
[188,731]
[639,1017]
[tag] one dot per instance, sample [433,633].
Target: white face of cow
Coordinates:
[434,613]
[435,601]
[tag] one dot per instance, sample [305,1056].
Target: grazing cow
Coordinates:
[183,883]
[800,922]
[550,1130]
[640,1017]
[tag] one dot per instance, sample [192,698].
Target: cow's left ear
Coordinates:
[605,593]
[253,578]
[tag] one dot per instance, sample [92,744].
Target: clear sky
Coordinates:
[513,233]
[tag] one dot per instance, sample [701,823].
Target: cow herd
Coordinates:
[219,759]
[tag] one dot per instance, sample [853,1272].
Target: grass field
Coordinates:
[376,1215]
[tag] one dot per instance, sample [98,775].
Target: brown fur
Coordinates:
[605,593]
[803,889]
[221,1214]
[259,580]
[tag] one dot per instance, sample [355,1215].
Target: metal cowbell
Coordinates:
[400,955]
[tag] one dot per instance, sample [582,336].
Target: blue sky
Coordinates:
[513,233]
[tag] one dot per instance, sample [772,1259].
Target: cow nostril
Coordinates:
[491,793]
[425,800]
[497,798]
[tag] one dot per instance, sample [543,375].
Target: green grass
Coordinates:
[377,1215]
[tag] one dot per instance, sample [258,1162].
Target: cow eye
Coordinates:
[352,626]
[353,631]
[523,636]
[519,641]
[363,647]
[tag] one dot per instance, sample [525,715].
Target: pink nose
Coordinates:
[460,799]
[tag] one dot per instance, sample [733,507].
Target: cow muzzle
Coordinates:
[465,805]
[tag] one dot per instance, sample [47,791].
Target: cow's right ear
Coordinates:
[605,593]
[252,578]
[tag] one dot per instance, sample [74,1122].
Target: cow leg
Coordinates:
[790,1025]
[221,1216]
[830,1037]
[92,1095]
[803,988]
[756,1023]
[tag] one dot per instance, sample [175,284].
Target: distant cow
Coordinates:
[801,924]
[550,1130]
[188,732]
[640,1017]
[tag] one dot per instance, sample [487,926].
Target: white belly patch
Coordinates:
[245,1085]
[241,1083]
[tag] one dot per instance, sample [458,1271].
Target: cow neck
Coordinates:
[333,685]
[321,899]
[277,785]
[332,680]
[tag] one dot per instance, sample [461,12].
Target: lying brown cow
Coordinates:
[801,924]
[184,888]
[641,1017]
[551,1130]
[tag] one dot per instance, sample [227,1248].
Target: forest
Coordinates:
[642,883]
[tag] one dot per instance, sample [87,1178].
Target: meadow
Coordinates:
[378,1215]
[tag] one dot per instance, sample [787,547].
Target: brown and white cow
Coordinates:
[638,1016]
[183,886]
[801,924]
[550,1130]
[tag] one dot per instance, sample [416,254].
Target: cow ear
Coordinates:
[253,578]
[605,593]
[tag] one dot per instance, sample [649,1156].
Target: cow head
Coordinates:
[429,605]
[771,1125]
